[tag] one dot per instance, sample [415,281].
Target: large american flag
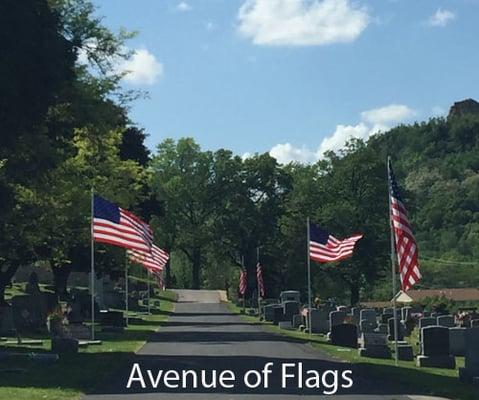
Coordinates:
[406,246]
[153,260]
[243,282]
[259,278]
[116,226]
[324,247]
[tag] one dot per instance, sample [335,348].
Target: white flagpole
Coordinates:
[244,292]
[126,287]
[257,281]
[309,274]
[92,271]
[393,269]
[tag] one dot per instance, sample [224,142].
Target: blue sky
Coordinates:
[294,77]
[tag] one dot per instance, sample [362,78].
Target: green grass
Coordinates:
[426,381]
[74,375]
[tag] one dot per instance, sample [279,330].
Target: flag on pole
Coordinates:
[259,278]
[243,283]
[406,246]
[116,226]
[324,247]
[153,260]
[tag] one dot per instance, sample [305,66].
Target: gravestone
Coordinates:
[424,322]
[368,314]
[457,341]
[78,331]
[7,327]
[366,326]
[406,313]
[289,295]
[405,352]
[435,348]
[343,309]
[446,320]
[382,328]
[336,318]
[285,325]
[269,312]
[355,312]
[64,345]
[278,315]
[386,315]
[391,333]
[113,319]
[319,321]
[32,285]
[470,371]
[344,335]
[290,308]
[474,323]
[297,321]
[374,345]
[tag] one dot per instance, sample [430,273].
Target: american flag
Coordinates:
[153,260]
[243,282]
[259,278]
[119,227]
[406,246]
[324,247]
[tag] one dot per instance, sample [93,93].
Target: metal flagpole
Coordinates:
[393,269]
[148,280]
[309,275]
[244,292]
[92,272]
[257,282]
[126,287]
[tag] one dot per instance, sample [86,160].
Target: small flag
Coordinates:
[155,260]
[324,247]
[406,246]
[243,282]
[116,226]
[259,278]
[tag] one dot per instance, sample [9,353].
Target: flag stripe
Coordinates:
[406,247]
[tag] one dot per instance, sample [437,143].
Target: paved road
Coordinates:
[203,335]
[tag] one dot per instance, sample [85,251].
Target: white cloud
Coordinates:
[285,153]
[183,6]
[393,113]
[441,18]
[341,135]
[372,121]
[142,68]
[301,22]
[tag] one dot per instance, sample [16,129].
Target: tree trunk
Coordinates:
[354,287]
[196,269]
[60,280]
[5,278]
[168,275]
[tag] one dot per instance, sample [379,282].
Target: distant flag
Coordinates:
[159,279]
[243,282]
[324,247]
[259,278]
[406,246]
[116,226]
[153,260]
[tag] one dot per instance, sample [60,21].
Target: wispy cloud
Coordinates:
[301,22]
[441,18]
[183,7]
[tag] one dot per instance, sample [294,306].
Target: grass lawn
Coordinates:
[76,374]
[426,381]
